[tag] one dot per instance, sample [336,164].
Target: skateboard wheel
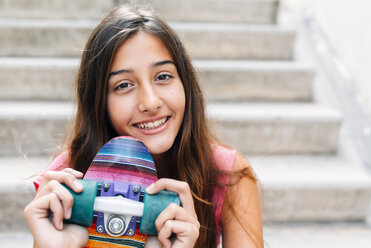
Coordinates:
[83,204]
[153,206]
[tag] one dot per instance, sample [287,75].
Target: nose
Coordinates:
[149,99]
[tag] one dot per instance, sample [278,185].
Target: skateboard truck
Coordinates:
[118,205]
[114,195]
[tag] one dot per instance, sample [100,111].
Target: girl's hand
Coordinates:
[180,220]
[53,198]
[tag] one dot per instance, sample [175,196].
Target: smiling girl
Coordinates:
[136,79]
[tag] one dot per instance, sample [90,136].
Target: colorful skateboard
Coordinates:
[114,185]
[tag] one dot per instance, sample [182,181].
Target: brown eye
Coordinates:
[124,86]
[164,77]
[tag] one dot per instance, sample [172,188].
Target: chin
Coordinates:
[158,149]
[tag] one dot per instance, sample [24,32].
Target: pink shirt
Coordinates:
[224,161]
[58,164]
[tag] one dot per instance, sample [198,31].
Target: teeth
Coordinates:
[151,125]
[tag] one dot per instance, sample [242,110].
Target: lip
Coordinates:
[154,130]
[151,119]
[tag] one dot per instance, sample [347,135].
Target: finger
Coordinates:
[76,173]
[56,208]
[62,177]
[63,194]
[174,212]
[39,209]
[164,237]
[186,233]
[180,187]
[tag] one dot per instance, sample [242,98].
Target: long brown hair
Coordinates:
[191,152]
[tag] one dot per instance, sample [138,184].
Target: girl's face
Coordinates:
[146,97]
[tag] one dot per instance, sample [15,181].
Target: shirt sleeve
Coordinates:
[58,164]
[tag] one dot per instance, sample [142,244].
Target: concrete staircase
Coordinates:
[261,100]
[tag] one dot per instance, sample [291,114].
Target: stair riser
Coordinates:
[191,10]
[48,81]
[253,44]
[321,204]
[278,137]
[218,11]
[39,136]
[42,42]
[44,82]
[256,84]
[34,136]
[91,9]
[202,44]
[13,201]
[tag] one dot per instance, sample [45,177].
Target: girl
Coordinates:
[136,79]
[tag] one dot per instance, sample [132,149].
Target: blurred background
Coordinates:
[287,83]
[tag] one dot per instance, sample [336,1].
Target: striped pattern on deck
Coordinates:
[122,159]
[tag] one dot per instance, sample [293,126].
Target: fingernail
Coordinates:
[78,185]
[69,212]
[149,189]
[61,225]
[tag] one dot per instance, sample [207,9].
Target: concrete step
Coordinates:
[37,78]
[32,127]
[82,9]
[16,239]
[66,38]
[312,188]
[251,11]
[256,80]
[36,127]
[318,235]
[17,189]
[52,79]
[263,128]
[303,235]
[293,189]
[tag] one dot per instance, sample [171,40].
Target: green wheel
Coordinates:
[83,204]
[153,206]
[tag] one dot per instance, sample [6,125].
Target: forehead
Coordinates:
[141,47]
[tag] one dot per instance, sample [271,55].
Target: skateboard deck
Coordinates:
[123,166]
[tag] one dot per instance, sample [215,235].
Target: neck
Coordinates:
[163,165]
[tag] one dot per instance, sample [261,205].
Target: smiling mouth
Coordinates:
[152,125]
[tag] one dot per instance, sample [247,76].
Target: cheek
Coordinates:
[111,108]
[180,97]
[177,96]
[119,112]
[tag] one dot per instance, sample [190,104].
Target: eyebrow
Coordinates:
[113,73]
[160,63]
[163,63]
